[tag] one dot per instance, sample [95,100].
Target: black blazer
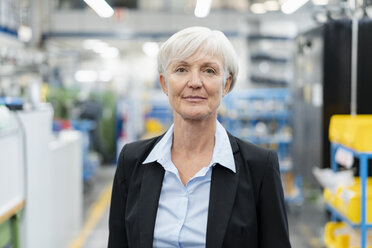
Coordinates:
[246,208]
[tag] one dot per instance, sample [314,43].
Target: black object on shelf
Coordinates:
[270,81]
[267,57]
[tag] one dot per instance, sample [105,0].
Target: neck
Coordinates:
[193,136]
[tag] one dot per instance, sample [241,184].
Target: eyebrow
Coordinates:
[205,64]
[211,64]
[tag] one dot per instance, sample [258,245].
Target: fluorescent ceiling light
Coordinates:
[258,8]
[151,49]
[90,44]
[320,2]
[271,5]
[100,46]
[202,8]
[102,8]
[86,76]
[109,52]
[291,6]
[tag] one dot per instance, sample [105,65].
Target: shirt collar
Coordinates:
[222,151]
[162,149]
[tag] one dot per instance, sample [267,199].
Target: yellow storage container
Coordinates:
[354,132]
[329,233]
[328,195]
[340,235]
[347,200]
[349,203]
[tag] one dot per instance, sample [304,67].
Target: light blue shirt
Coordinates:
[182,215]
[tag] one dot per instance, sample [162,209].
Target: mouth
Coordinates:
[194,98]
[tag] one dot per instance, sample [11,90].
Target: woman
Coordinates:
[197,185]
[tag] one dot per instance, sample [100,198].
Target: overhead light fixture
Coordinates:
[258,8]
[271,5]
[291,6]
[202,8]
[100,46]
[101,7]
[90,44]
[86,76]
[109,52]
[320,2]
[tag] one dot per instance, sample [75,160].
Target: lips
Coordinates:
[194,98]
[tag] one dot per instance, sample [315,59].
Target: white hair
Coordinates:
[186,42]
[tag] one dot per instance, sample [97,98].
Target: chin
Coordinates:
[196,116]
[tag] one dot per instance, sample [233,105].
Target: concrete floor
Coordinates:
[306,221]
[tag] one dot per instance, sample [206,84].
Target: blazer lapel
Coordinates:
[148,202]
[222,195]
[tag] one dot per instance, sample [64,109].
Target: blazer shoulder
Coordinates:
[256,157]
[258,163]
[132,154]
[138,149]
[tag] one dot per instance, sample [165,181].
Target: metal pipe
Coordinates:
[354,64]
[354,57]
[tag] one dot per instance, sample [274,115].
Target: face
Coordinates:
[195,86]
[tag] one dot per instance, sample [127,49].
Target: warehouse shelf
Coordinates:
[294,193]
[267,140]
[259,37]
[338,215]
[286,166]
[269,58]
[263,117]
[355,132]
[271,63]
[8,31]
[269,80]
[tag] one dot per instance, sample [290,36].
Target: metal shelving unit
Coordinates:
[350,137]
[363,175]
[263,117]
[271,63]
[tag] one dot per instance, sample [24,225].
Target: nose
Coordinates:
[195,80]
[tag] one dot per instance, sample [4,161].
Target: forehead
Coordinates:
[200,58]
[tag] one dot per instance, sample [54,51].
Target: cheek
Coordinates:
[174,85]
[216,90]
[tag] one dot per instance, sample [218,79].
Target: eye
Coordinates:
[210,71]
[181,69]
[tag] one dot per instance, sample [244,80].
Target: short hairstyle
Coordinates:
[186,42]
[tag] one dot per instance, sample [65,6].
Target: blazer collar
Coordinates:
[151,182]
[148,201]
[222,195]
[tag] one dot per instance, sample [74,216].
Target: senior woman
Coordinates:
[197,185]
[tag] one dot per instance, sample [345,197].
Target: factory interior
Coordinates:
[79,80]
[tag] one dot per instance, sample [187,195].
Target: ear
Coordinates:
[163,84]
[226,88]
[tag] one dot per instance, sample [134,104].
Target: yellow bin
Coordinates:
[354,132]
